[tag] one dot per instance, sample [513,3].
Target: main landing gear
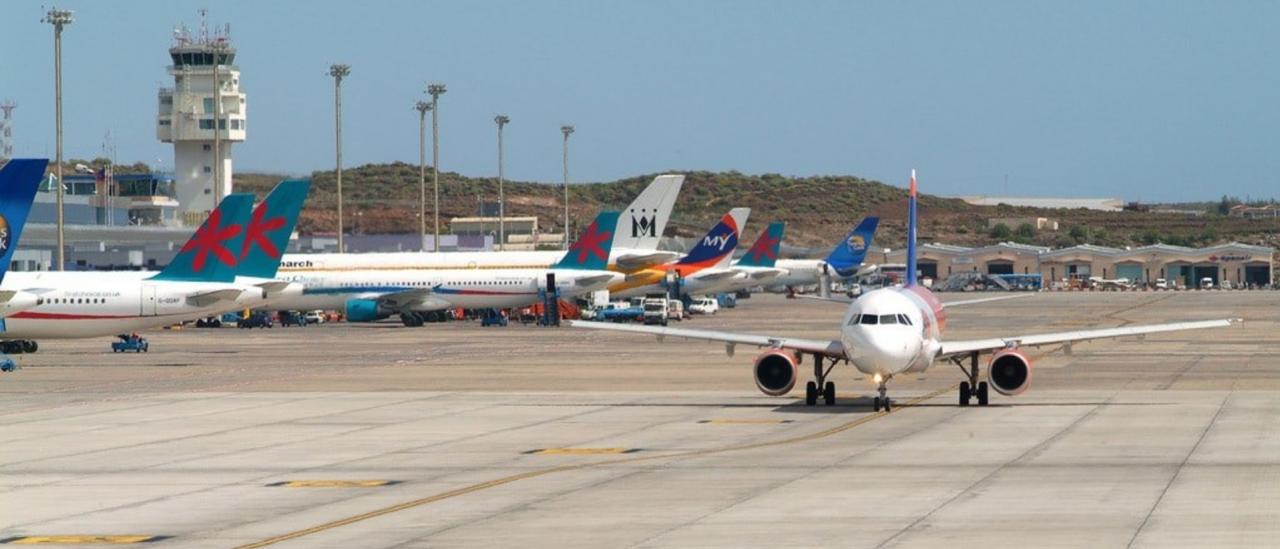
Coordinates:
[820,373]
[18,346]
[972,388]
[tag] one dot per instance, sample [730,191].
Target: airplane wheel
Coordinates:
[964,393]
[877,404]
[886,404]
[982,394]
[811,394]
[829,393]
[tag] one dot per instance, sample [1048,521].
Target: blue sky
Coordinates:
[1154,100]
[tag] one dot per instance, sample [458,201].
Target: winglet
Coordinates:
[764,252]
[270,226]
[211,254]
[19,179]
[849,254]
[911,231]
[591,251]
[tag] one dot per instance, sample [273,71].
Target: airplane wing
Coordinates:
[632,261]
[829,299]
[823,347]
[983,300]
[273,286]
[765,272]
[951,348]
[417,297]
[710,275]
[213,297]
[585,281]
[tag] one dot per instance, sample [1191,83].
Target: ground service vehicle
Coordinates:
[656,310]
[130,342]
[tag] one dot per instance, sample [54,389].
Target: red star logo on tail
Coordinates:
[209,239]
[764,246]
[591,243]
[256,234]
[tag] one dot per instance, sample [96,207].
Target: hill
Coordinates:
[383,198]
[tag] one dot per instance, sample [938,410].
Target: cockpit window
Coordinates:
[904,319]
[853,321]
[888,319]
[870,319]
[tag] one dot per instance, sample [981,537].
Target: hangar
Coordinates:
[1182,266]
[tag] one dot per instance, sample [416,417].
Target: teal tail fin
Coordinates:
[270,226]
[764,252]
[210,255]
[591,251]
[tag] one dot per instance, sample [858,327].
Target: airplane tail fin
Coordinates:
[850,252]
[19,179]
[211,254]
[716,248]
[642,223]
[591,250]
[267,234]
[764,253]
[911,231]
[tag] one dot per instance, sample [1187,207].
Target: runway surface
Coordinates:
[460,436]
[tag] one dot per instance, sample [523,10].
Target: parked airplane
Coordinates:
[636,239]
[19,180]
[844,261]
[373,294]
[757,267]
[705,265]
[198,282]
[893,331]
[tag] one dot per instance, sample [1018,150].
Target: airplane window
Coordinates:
[853,319]
[888,319]
[869,319]
[904,319]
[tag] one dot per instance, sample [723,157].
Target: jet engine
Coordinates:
[365,310]
[775,373]
[1010,372]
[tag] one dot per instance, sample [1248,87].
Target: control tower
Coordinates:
[206,83]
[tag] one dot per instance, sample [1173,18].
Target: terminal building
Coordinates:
[1238,264]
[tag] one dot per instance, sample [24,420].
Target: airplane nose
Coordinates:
[890,352]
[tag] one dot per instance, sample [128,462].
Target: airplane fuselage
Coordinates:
[893,330]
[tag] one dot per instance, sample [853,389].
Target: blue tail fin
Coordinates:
[848,255]
[212,253]
[716,247]
[591,251]
[270,226]
[911,232]
[19,180]
[764,253]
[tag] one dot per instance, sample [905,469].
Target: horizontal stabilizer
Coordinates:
[632,261]
[586,281]
[211,298]
[273,286]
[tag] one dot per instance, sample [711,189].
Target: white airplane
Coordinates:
[895,331]
[200,281]
[844,261]
[636,239]
[373,294]
[19,180]
[704,267]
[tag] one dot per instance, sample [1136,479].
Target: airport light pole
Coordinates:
[566,130]
[501,121]
[59,19]
[436,90]
[338,72]
[422,107]
[219,55]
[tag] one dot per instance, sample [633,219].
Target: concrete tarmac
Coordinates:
[455,435]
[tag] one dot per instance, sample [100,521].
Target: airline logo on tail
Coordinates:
[764,252]
[213,251]
[718,244]
[848,255]
[642,225]
[591,251]
[270,226]
[19,179]
[646,216]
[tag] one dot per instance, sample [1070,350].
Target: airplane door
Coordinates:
[147,305]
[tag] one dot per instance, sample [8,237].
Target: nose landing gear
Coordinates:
[883,399]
